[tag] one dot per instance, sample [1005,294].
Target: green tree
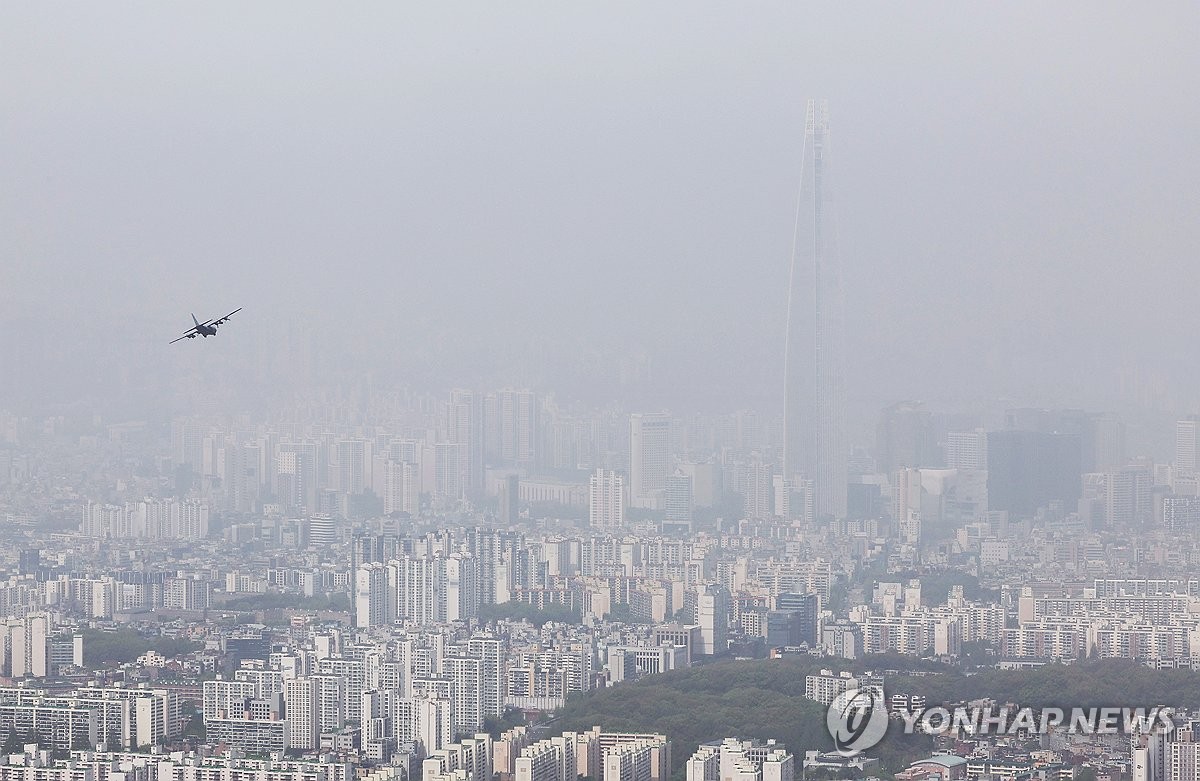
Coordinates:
[519,611]
[126,645]
[195,729]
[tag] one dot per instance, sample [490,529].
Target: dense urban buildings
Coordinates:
[404,640]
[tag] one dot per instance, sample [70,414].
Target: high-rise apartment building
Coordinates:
[401,487]
[371,603]
[606,500]
[448,474]
[354,465]
[712,614]
[1129,496]
[756,487]
[25,646]
[296,475]
[300,700]
[518,427]
[464,427]
[431,589]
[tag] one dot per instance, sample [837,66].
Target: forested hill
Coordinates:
[747,699]
[765,699]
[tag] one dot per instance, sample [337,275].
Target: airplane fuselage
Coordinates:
[202,329]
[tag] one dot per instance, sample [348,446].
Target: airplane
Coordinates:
[207,328]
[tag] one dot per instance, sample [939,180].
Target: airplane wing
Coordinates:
[218,321]
[190,334]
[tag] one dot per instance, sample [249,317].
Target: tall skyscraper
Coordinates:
[649,458]
[678,501]
[464,427]
[354,465]
[814,386]
[510,497]
[905,437]
[1109,441]
[966,449]
[756,484]
[448,477]
[1187,445]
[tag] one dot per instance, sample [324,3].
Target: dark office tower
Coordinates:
[814,384]
[510,491]
[803,612]
[863,501]
[906,438]
[1071,422]
[30,562]
[1030,469]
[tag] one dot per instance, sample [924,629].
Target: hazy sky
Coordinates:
[1016,184]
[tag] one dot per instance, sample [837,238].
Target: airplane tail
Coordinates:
[194,320]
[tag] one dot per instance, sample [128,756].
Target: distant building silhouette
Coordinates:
[815,445]
[1030,469]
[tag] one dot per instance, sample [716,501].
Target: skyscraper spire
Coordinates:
[814,382]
